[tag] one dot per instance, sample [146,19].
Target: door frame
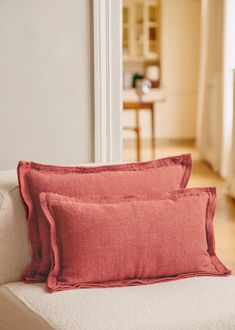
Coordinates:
[107,52]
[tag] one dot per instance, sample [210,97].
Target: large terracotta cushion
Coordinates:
[135,178]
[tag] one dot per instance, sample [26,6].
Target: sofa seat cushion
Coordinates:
[196,303]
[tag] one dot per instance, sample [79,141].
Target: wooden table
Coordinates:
[137,106]
[149,103]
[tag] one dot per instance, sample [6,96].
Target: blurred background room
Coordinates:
[178,87]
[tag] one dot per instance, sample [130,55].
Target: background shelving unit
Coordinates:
[141,30]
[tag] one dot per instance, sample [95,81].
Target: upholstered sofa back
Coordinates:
[15,252]
[14,247]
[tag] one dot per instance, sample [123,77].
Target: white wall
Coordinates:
[45,82]
[180,40]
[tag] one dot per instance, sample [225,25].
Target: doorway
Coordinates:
[161,43]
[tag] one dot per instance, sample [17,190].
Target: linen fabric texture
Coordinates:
[156,176]
[130,240]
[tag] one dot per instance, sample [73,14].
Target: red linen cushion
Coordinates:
[147,177]
[117,241]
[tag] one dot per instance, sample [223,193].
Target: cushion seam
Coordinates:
[168,161]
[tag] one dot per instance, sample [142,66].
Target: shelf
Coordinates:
[152,24]
[141,59]
[141,30]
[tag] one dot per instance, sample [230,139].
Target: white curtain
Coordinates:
[216,102]
[210,100]
[229,96]
[231,164]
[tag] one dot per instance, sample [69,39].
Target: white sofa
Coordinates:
[196,303]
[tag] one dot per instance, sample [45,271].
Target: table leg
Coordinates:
[138,146]
[153,130]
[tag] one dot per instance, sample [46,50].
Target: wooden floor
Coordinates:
[203,176]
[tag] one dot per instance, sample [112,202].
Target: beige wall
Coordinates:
[45,82]
[180,41]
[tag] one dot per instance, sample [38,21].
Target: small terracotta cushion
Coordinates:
[148,177]
[116,241]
